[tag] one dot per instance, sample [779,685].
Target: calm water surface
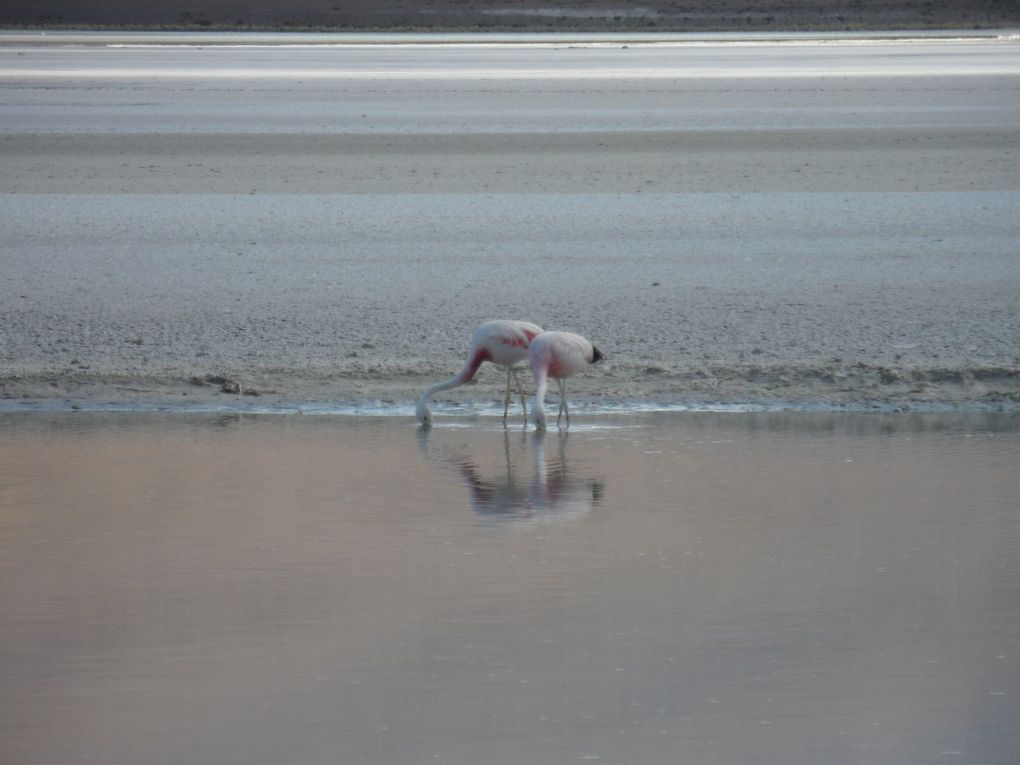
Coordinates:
[702,588]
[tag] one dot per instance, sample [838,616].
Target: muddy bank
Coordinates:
[610,386]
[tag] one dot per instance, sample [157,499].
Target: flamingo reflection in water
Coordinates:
[550,492]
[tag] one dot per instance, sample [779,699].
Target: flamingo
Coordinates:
[558,355]
[503,342]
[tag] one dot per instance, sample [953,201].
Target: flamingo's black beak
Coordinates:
[596,356]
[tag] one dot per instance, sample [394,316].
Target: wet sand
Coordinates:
[820,223]
[730,588]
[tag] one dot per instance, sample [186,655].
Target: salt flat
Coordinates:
[815,220]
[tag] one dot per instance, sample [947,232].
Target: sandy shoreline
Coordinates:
[751,388]
[825,241]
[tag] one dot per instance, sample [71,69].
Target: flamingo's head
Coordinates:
[424,414]
[538,414]
[596,355]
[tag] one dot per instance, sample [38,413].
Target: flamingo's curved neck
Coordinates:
[465,374]
[541,383]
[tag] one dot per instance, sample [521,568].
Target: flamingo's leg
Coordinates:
[562,382]
[520,389]
[506,399]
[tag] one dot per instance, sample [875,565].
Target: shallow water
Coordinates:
[687,587]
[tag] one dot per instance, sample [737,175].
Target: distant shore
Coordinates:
[518,16]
